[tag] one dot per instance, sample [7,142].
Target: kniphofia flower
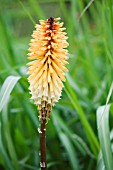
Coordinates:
[47,67]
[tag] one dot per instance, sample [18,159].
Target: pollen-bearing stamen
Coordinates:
[48,54]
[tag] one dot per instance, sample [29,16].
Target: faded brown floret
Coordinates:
[48,54]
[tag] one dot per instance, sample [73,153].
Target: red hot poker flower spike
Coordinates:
[48,54]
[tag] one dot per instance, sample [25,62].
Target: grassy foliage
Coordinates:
[72,133]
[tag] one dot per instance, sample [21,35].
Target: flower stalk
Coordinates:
[43,163]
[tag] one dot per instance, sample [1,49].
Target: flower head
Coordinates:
[48,55]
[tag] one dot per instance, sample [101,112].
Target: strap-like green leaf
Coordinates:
[104,135]
[7,89]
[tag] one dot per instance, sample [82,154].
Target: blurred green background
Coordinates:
[72,133]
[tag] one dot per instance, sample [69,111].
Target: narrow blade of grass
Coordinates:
[37,10]
[77,141]
[4,153]
[67,145]
[9,141]
[70,150]
[88,130]
[27,12]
